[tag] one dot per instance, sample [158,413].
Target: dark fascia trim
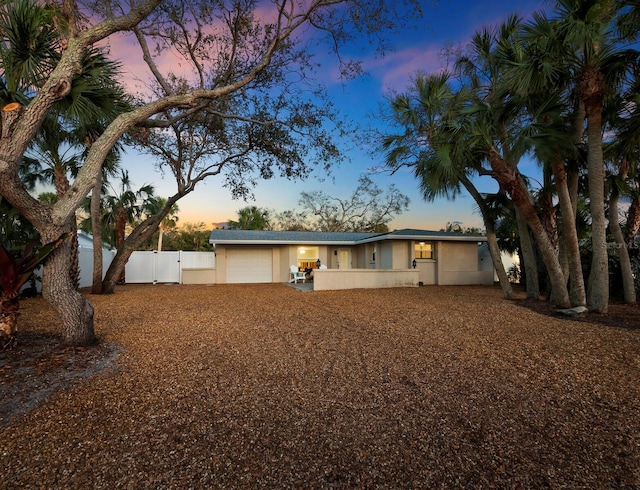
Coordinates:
[283,242]
[426,238]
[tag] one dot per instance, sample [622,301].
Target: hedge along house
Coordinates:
[353,260]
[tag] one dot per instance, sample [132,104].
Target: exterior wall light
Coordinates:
[318,263]
[414,263]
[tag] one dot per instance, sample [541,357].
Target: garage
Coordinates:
[249,265]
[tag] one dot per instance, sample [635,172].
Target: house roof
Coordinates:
[418,235]
[265,237]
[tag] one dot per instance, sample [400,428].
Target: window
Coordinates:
[308,257]
[424,250]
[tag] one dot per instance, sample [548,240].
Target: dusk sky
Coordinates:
[418,49]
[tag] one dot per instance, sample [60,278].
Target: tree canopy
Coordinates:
[245,88]
[558,89]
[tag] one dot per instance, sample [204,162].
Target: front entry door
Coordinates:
[343,259]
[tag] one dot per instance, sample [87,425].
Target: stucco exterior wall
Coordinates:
[427,271]
[359,257]
[201,275]
[402,254]
[334,279]
[277,266]
[288,257]
[385,251]
[221,264]
[457,264]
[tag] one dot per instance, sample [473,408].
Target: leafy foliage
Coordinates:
[251,218]
[15,272]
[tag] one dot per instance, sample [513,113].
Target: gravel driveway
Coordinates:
[263,386]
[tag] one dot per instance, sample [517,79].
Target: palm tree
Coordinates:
[501,130]
[436,154]
[251,218]
[169,222]
[617,184]
[31,51]
[47,163]
[94,101]
[585,46]
[629,141]
[123,207]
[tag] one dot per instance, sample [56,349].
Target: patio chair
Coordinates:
[295,275]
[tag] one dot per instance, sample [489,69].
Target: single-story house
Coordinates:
[405,257]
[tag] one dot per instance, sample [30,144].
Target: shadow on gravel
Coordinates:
[619,315]
[40,365]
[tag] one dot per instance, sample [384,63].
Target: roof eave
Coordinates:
[283,242]
[427,238]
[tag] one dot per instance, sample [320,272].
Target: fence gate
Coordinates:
[153,267]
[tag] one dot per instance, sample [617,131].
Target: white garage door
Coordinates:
[249,265]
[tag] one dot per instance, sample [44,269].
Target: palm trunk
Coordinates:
[573,166]
[492,240]
[633,221]
[96,231]
[160,239]
[509,180]
[547,209]
[570,244]
[120,227]
[532,282]
[598,289]
[496,258]
[628,286]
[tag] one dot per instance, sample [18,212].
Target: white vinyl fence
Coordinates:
[85,260]
[166,266]
[142,267]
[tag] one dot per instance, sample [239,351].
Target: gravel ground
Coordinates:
[262,386]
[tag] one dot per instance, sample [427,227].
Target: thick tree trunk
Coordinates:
[75,312]
[509,180]
[598,288]
[570,244]
[61,184]
[529,257]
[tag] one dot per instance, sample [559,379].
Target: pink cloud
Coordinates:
[397,69]
[394,71]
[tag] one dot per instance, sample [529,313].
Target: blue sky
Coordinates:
[417,48]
